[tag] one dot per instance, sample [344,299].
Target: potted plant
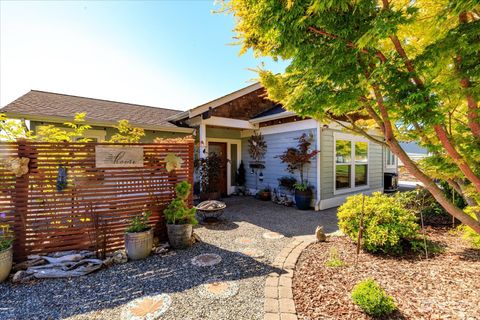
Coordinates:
[297,159]
[287,183]
[180,218]
[6,252]
[265,194]
[210,169]
[139,237]
[241,179]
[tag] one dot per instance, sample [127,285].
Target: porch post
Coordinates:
[203,140]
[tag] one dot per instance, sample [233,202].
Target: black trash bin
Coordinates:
[390,182]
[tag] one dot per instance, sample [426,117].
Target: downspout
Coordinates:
[319,180]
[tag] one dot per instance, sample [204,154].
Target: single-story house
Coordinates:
[39,108]
[346,163]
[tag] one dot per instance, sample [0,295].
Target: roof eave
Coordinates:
[276,116]
[57,119]
[222,100]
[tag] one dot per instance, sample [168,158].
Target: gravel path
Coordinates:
[103,294]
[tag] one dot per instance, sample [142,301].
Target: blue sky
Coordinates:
[173,54]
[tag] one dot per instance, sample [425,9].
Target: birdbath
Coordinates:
[209,211]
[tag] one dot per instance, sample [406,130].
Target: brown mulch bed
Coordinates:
[446,286]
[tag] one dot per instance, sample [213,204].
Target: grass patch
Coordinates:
[334,260]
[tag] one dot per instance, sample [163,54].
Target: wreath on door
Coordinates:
[257,147]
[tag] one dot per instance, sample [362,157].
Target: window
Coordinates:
[351,163]
[343,171]
[361,163]
[390,159]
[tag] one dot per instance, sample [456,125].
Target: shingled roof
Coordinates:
[40,104]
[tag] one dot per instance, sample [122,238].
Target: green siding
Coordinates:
[327,166]
[150,135]
[223,133]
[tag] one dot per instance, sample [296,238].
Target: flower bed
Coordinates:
[438,288]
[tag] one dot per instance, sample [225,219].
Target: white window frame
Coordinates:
[352,138]
[395,159]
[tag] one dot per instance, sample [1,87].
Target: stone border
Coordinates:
[279,304]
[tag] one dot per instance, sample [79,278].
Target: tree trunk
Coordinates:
[430,185]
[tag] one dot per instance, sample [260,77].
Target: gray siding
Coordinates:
[327,166]
[276,144]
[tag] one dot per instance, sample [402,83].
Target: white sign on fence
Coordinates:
[118,156]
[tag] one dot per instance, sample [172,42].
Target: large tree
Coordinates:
[409,69]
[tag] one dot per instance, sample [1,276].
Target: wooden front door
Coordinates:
[220,148]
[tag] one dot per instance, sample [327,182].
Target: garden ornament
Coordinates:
[173,162]
[320,234]
[62,178]
[19,166]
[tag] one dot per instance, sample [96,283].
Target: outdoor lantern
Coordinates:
[260,177]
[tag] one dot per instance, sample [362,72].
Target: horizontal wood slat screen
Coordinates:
[94,209]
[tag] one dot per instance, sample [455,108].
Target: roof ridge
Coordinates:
[129,103]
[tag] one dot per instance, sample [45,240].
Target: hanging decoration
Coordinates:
[172,162]
[257,147]
[62,178]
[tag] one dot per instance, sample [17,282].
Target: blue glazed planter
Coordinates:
[303,199]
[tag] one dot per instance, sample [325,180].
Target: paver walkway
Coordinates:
[234,288]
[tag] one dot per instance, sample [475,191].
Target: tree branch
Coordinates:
[439,129]
[349,43]
[473,112]
[358,130]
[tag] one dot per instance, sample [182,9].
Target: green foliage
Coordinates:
[334,260]
[53,133]
[6,237]
[301,186]
[288,182]
[139,223]
[177,212]
[127,133]
[468,233]
[343,58]
[11,130]
[372,299]
[388,226]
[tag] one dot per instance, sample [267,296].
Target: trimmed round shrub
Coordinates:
[372,299]
[388,226]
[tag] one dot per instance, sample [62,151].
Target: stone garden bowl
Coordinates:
[210,210]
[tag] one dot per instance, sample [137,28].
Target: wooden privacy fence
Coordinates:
[95,207]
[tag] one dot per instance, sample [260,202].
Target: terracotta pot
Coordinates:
[6,261]
[180,235]
[210,196]
[139,244]
[265,195]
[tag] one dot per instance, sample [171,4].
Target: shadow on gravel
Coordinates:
[115,286]
[288,221]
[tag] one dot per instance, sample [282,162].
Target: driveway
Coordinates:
[240,240]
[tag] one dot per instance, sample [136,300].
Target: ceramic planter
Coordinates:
[179,235]
[139,244]
[303,199]
[6,260]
